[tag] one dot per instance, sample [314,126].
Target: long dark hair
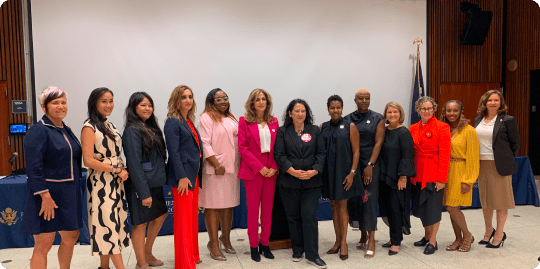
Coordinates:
[93,115]
[211,109]
[288,120]
[149,129]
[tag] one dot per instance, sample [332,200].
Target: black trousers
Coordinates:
[394,210]
[301,210]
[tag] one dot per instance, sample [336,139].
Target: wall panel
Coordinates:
[12,69]
[523,45]
[449,60]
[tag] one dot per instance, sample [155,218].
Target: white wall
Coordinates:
[291,48]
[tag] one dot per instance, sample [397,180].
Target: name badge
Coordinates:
[306,137]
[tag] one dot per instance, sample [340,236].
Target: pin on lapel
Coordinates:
[368,121]
[500,120]
[274,130]
[341,126]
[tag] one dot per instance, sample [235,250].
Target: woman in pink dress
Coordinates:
[220,190]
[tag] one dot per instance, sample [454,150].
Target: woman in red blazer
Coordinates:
[256,135]
[431,162]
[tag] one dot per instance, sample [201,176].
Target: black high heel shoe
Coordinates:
[484,242]
[265,250]
[255,254]
[501,242]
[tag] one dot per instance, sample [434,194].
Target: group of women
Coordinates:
[355,161]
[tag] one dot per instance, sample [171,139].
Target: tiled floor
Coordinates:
[521,249]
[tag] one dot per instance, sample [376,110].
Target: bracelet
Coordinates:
[217,167]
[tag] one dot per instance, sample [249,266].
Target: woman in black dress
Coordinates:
[145,152]
[397,167]
[363,210]
[340,180]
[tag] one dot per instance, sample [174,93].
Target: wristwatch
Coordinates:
[353,171]
[371,164]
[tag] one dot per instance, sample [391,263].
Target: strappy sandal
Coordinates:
[369,254]
[155,262]
[454,246]
[466,245]
[361,245]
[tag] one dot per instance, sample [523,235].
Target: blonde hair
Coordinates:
[251,115]
[397,106]
[174,104]
[482,109]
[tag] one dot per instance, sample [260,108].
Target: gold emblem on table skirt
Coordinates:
[9,217]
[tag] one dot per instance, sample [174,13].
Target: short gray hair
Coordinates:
[422,100]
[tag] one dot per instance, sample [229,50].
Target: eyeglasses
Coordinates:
[426,109]
[224,99]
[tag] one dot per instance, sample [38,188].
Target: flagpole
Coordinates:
[417,41]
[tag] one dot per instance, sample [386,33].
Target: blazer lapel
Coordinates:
[498,123]
[229,135]
[186,126]
[254,129]
[273,130]
[307,130]
[293,136]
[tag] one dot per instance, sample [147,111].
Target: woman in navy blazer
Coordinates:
[499,141]
[53,194]
[185,159]
[256,137]
[144,148]
[300,153]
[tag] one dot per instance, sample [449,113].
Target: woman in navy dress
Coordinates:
[53,194]
[340,180]
[363,210]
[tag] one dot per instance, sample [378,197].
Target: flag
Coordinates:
[417,92]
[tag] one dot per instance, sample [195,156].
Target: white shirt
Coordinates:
[485,138]
[264,134]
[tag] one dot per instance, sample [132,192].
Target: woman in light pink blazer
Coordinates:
[220,190]
[256,136]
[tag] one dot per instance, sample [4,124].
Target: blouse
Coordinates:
[485,138]
[264,134]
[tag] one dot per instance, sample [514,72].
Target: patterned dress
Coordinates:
[107,209]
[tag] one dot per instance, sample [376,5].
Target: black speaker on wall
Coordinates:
[477,24]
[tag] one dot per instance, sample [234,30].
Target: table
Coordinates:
[523,184]
[12,202]
[12,199]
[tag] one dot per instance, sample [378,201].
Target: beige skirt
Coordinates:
[495,190]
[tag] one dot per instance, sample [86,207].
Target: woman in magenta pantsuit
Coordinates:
[256,136]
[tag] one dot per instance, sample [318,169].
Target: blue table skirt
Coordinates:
[12,200]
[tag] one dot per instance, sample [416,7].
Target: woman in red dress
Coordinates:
[431,161]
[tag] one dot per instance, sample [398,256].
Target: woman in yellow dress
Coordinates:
[463,172]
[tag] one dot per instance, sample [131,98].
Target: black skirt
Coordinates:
[427,203]
[141,214]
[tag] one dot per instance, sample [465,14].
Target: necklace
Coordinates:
[299,132]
